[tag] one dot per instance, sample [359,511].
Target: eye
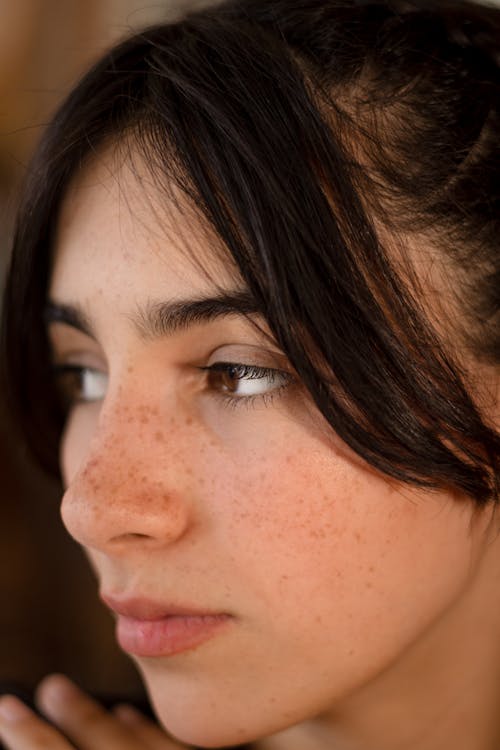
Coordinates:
[240,381]
[79,384]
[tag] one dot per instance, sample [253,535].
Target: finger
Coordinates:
[149,734]
[81,718]
[22,729]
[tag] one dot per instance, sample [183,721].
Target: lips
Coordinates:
[151,629]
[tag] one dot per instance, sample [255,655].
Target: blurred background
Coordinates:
[50,617]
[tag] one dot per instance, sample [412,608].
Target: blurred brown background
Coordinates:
[50,617]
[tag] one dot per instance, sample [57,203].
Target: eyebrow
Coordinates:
[161,319]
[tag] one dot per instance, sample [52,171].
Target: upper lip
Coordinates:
[140,608]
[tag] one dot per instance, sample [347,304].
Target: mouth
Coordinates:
[150,629]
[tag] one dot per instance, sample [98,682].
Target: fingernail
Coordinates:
[12,709]
[59,687]
[53,692]
[128,714]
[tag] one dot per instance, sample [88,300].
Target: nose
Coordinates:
[131,488]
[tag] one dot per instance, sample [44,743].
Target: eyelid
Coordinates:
[250,354]
[82,358]
[69,344]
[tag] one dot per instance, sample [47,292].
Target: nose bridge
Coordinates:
[131,485]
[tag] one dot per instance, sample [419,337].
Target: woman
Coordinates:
[254,294]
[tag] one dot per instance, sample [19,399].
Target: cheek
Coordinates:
[368,557]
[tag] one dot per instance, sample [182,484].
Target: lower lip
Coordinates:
[168,636]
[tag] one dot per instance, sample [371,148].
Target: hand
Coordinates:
[84,724]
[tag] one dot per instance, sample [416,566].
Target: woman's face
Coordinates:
[263,572]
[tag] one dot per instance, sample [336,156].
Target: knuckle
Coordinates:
[91,714]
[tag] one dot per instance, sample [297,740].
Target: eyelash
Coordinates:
[239,371]
[250,372]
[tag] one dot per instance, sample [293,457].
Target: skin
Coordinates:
[364,613]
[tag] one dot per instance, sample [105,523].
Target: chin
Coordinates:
[202,729]
[196,712]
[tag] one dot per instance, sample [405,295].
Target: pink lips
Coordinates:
[145,628]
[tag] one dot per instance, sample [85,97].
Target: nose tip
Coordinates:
[111,505]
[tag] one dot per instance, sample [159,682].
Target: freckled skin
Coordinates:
[331,571]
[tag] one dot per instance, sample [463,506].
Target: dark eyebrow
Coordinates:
[160,319]
[70,315]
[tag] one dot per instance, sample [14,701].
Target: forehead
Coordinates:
[119,227]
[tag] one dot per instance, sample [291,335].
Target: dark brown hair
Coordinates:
[320,139]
